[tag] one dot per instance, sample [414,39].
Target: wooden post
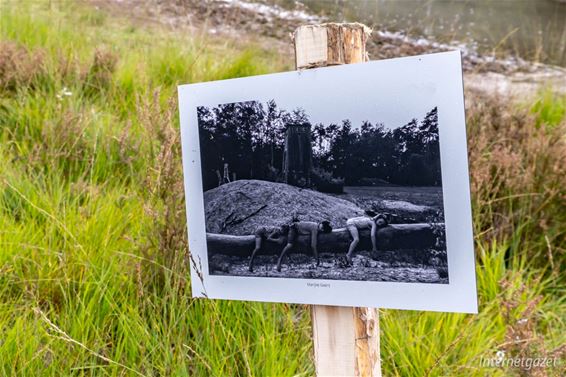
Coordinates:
[346,340]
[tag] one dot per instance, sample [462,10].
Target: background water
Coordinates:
[531,29]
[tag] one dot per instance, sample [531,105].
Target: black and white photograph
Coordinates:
[288,198]
[339,175]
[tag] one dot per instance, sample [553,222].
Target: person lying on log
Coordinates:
[355,224]
[276,234]
[304,227]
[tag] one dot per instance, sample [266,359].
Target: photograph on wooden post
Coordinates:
[344,185]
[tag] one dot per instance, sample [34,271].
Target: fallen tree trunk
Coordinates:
[392,237]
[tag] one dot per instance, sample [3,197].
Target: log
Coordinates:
[391,237]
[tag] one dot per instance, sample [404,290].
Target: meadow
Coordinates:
[94,273]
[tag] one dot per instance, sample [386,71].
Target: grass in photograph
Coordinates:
[94,271]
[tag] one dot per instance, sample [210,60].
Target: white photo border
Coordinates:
[443,72]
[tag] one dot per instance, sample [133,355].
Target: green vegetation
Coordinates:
[550,108]
[93,264]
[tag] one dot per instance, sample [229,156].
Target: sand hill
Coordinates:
[239,207]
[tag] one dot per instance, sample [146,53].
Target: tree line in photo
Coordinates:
[250,138]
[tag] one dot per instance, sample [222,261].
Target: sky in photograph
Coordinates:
[393,108]
[360,95]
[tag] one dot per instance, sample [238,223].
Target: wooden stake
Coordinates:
[330,44]
[346,340]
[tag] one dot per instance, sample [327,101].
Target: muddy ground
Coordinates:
[332,267]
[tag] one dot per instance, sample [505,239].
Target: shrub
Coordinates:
[324,182]
[20,67]
[98,77]
[517,178]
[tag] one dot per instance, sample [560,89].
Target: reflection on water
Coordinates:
[531,29]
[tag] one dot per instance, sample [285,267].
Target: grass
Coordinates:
[550,108]
[93,264]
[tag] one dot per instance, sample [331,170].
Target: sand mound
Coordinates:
[239,207]
[402,205]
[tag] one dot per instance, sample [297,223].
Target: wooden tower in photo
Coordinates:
[297,155]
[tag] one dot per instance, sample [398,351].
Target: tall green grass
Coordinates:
[93,267]
[550,108]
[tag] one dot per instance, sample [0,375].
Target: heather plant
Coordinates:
[518,181]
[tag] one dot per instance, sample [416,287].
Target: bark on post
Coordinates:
[346,340]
